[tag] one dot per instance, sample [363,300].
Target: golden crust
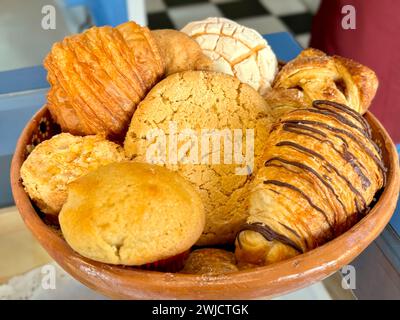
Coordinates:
[321,173]
[199,100]
[210,261]
[283,101]
[56,162]
[98,77]
[180,52]
[136,214]
[321,77]
[364,77]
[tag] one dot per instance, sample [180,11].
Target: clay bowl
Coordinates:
[269,281]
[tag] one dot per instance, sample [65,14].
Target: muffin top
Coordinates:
[132,214]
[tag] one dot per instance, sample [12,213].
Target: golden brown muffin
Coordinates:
[318,76]
[98,77]
[210,261]
[180,52]
[321,172]
[136,213]
[199,102]
[56,162]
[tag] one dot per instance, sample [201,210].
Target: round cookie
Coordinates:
[201,102]
[210,261]
[136,213]
[56,162]
[236,50]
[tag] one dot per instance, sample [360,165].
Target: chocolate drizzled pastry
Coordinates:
[321,172]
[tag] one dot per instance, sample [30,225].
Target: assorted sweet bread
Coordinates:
[199,100]
[98,77]
[136,213]
[321,172]
[56,162]
[176,141]
[318,76]
[236,50]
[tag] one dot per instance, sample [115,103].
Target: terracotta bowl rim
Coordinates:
[282,277]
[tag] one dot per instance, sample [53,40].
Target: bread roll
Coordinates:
[56,162]
[134,214]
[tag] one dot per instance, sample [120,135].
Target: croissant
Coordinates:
[98,77]
[321,172]
[319,76]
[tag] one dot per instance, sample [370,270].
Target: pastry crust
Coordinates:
[56,162]
[136,214]
[321,172]
[236,50]
[180,52]
[283,100]
[210,261]
[200,100]
[321,77]
[98,77]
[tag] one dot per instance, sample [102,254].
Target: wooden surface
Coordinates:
[19,251]
[268,281]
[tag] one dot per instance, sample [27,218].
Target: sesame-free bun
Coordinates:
[131,214]
[56,162]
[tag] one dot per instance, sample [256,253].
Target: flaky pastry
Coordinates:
[98,77]
[318,76]
[321,172]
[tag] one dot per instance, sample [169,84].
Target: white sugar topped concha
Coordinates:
[236,50]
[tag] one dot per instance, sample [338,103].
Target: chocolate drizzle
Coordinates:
[366,131]
[317,155]
[269,234]
[305,196]
[339,118]
[339,139]
[345,154]
[377,161]
[315,173]
[317,104]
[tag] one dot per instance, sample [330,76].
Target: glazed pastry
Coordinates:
[98,77]
[136,214]
[193,103]
[236,50]
[56,162]
[210,261]
[180,52]
[318,76]
[321,172]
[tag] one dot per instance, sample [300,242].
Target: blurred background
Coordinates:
[25,43]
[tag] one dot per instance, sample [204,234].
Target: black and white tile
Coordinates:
[266,16]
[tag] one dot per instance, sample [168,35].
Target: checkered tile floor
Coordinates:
[266,16]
